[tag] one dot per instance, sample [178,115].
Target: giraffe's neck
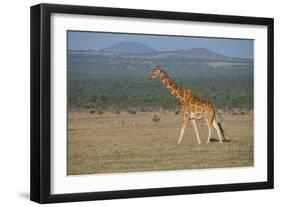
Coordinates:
[170,85]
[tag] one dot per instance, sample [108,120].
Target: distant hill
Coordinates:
[201,54]
[129,47]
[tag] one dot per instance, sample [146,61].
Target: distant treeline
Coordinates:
[117,83]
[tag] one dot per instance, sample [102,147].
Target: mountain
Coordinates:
[201,54]
[136,49]
[128,47]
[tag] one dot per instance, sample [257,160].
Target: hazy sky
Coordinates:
[99,40]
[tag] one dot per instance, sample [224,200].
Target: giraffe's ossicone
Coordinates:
[193,107]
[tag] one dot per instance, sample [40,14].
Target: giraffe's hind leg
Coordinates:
[209,124]
[216,126]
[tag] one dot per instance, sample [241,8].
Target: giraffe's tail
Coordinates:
[221,129]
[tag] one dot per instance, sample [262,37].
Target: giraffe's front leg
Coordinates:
[182,131]
[184,125]
[196,131]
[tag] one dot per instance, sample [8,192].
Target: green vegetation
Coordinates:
[108,82]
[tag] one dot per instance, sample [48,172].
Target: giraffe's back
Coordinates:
[198,107]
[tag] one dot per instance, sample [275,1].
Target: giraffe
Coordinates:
[193,107]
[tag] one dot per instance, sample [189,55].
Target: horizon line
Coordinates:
[158,51]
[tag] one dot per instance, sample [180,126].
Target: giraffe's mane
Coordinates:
[168,76]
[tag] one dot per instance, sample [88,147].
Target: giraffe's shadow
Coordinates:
[224,141]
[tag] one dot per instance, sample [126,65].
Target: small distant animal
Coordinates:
[132,112]
[100,112]
[92,111]
[177,112]
[155,119]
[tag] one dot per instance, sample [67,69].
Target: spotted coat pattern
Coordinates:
[193,106]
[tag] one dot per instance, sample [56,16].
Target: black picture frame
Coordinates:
[40,184]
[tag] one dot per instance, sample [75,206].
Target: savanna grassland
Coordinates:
[108,143]
[111,104]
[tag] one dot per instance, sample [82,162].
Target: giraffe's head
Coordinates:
[154,73]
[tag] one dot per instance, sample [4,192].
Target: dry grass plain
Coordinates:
[114,143]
